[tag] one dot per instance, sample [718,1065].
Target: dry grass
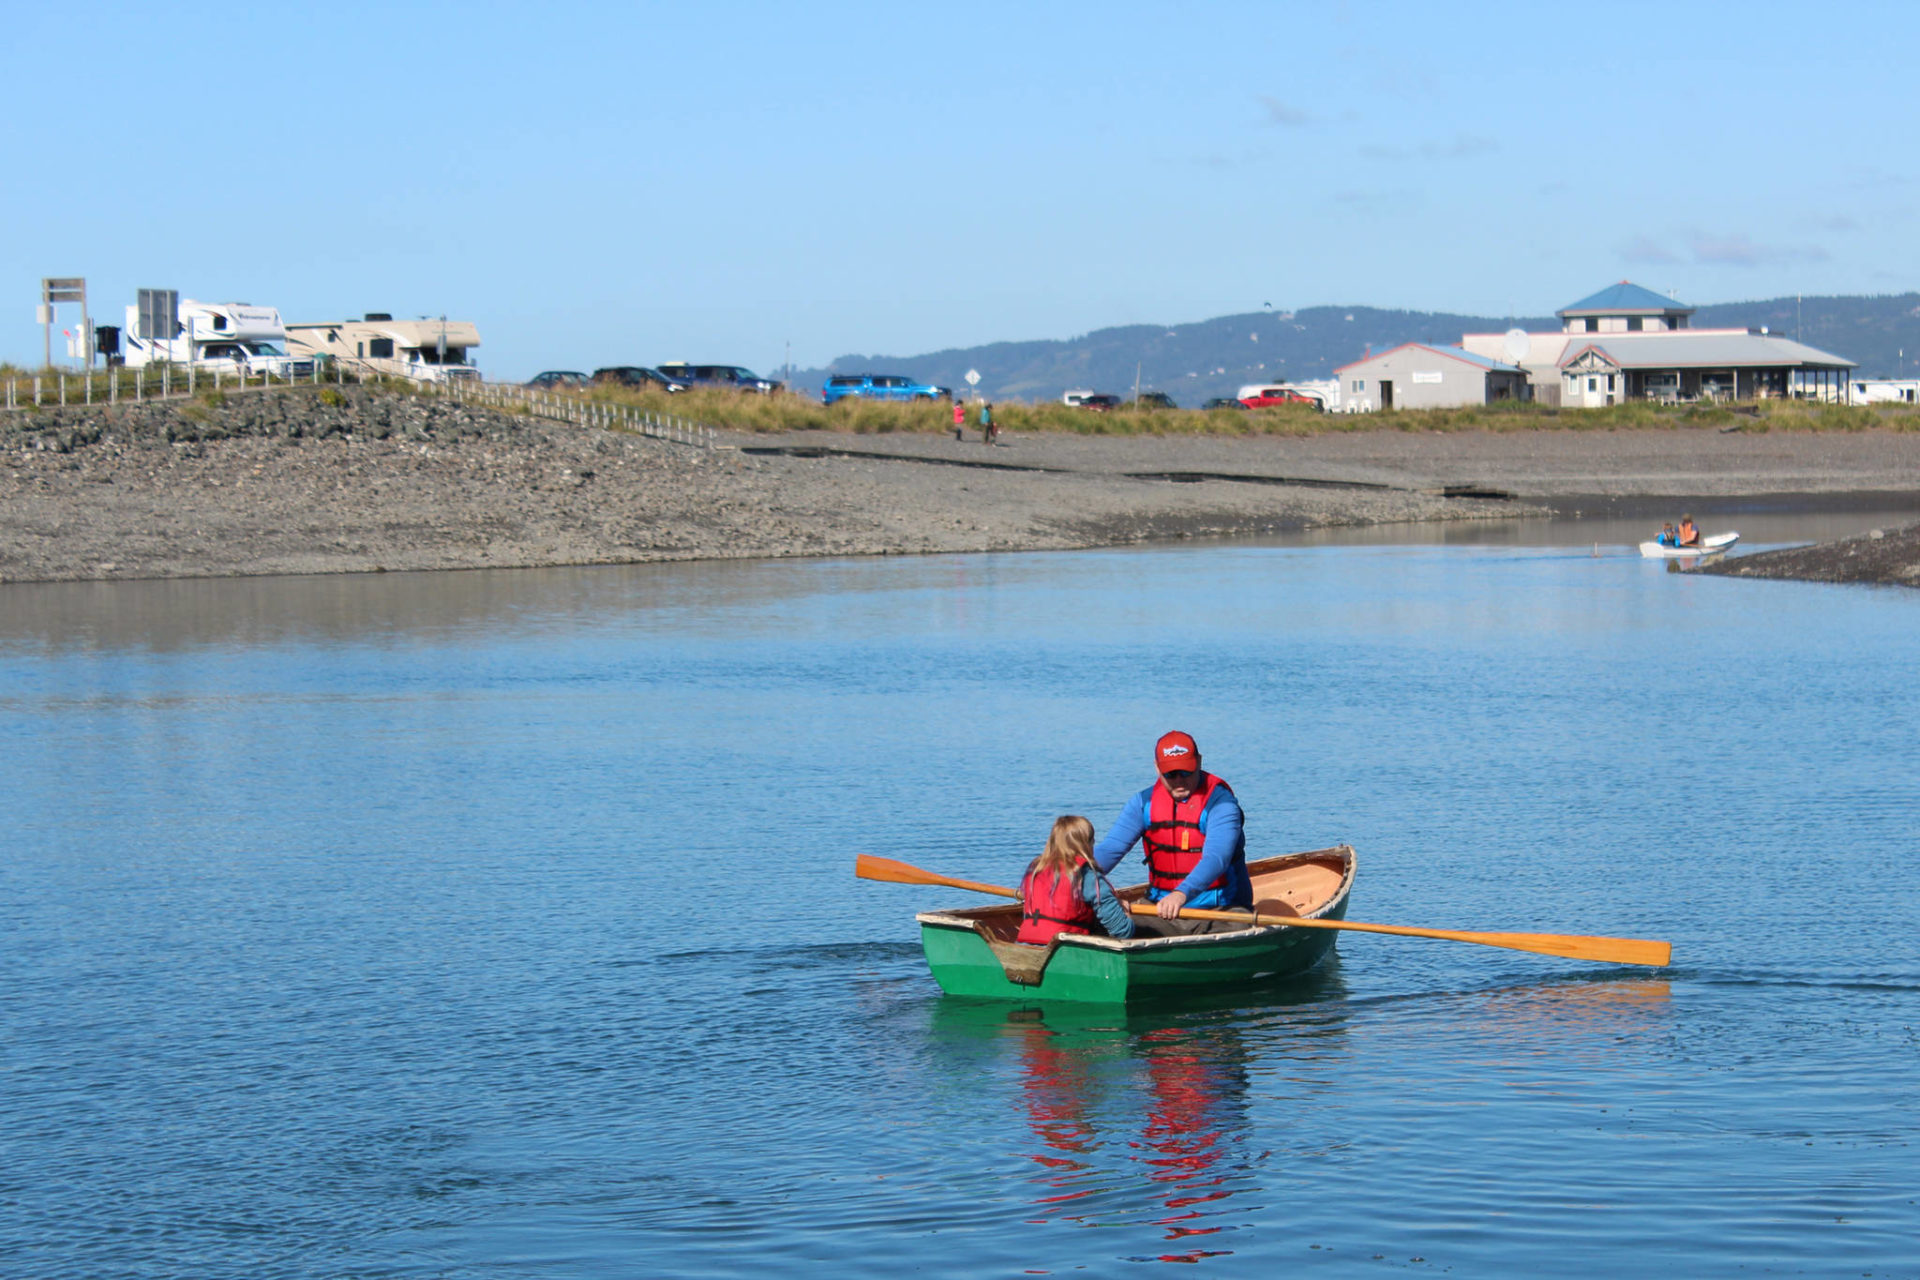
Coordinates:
[780,413]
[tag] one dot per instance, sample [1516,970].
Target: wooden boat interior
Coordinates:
[1293,884]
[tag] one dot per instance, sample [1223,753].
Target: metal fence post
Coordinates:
[36,388]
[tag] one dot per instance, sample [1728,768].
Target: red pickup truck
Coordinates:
[1272,397]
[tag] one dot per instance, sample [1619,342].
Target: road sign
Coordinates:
[64,288]
[973,377]
[158,313]
[55,290]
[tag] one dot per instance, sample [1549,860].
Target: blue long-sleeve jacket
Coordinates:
[1114,917]
[1225,850]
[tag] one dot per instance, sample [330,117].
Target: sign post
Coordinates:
[55,290]
[156,317]
[973,382]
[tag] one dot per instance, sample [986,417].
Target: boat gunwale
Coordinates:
[966,919]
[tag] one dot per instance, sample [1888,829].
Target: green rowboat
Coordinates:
[972,952]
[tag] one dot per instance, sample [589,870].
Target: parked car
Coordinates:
[880,386]
[719,375]
[250,359]
[554,379]
[637,377]
[1075,398]
[1273,397]
[1222,402]
[1154,400]
[1100,403]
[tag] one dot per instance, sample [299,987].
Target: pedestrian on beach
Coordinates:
[1193,836]
[1062,893]
[959,417]
[988,432]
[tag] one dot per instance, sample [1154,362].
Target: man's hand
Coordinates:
[1169,906]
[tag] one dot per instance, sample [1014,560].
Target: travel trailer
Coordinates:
[218,337]
[423,350]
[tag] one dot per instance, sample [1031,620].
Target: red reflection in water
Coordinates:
[1055,1084]
[1185,1130]
[1193,1085]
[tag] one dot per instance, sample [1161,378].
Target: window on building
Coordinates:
[1593,324]
[1609,382]
[380,348]
[1635,324]
[1593,384]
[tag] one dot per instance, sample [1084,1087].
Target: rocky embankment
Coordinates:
[1886,556]
[325,480]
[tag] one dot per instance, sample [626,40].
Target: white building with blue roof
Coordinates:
[1629,343]
[1417,375]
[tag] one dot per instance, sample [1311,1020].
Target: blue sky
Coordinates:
[602,184]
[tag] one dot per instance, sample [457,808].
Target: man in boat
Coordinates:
[1669,536]
[1192,833]
[1687,533]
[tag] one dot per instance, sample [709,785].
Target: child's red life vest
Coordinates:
[1051,904]
[1176,835]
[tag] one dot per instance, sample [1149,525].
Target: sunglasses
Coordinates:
[1180,777]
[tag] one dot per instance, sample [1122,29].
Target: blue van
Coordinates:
[880,386]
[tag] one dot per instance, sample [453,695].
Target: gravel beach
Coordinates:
[286,482]
[1889,557]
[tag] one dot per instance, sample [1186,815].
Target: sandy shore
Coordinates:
[282,483]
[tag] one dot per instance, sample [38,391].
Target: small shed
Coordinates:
[1419,376]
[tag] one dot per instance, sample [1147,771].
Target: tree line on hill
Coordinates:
[1196,362]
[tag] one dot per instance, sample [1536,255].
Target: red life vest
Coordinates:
[1051,904]
[1174,838]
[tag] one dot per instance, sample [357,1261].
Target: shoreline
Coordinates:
[373,481]
[1878,557]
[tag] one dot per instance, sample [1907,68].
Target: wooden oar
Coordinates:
[1574,946]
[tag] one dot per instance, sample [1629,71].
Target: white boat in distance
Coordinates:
[1707,546]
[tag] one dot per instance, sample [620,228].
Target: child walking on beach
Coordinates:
[1063,893]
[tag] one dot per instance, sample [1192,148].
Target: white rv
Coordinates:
[218,337]
[423,350]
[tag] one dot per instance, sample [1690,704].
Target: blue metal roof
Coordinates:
[1485,362]
[1624,298]
[1457,353]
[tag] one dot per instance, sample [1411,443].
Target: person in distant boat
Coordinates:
[1688,534]
[1062,893]
[1669,536]
[1191,831]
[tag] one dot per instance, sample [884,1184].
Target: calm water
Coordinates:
[503,924]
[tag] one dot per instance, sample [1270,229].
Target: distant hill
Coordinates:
[1194,362]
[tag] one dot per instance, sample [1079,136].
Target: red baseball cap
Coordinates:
[1175,752]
